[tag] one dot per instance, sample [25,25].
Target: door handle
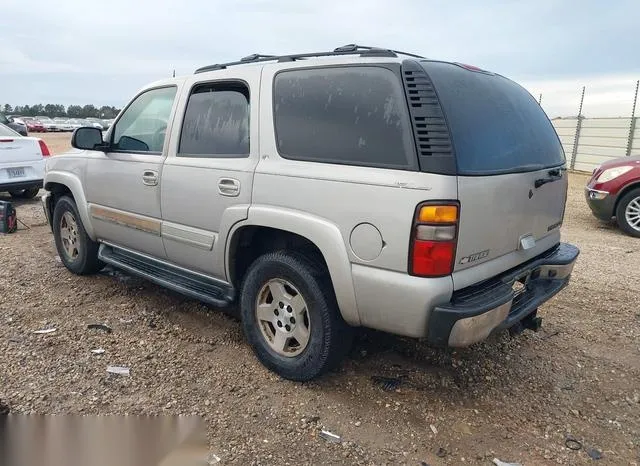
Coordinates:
[150,177]
[228,187]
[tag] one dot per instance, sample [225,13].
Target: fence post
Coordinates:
[632,125]
[577,137]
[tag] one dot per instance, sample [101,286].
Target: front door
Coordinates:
[207,177]
[123,185]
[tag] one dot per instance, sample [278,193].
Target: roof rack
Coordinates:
[350,49]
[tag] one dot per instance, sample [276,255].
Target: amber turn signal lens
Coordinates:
[438,214]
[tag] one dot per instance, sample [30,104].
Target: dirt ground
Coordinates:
[516,399]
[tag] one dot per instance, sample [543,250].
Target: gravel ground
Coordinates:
[514,399]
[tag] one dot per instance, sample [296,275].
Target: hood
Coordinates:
[620,161]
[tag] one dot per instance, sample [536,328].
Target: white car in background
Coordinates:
[22,161]
[48,123]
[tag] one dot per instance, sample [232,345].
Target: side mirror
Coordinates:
[87,138]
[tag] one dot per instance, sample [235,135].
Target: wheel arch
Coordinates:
[61,183]
[623,192]
[269,228]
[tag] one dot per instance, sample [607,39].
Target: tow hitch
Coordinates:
[531,322]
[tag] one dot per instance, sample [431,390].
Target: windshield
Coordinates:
[496,125]
[7,132]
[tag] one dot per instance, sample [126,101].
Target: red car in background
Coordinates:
[34,126]
[614,191]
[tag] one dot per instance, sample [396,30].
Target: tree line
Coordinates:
[55,110]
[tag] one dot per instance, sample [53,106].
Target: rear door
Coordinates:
[512,184]
[207,178]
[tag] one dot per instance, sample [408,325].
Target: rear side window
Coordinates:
[496,125]
[347,115]
[216,122]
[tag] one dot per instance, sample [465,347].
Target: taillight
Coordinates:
[43,148]
[433,239]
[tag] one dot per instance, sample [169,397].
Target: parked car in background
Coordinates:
[22,161]
[34,126]
[48,123]
[66,126]
[106,124]
[92,124]
[614,191]
[15,124]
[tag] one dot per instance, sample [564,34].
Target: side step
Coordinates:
[200,287]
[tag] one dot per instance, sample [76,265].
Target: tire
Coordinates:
[328,336]
[25,193]
[80,257]
[30,193]
[628,213]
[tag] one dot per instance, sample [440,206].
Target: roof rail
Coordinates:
[350,49]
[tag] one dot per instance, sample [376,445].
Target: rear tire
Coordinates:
[628,213]
[78,252]
[25,193]
[291,318]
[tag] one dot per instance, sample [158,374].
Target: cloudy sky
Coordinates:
[101,52]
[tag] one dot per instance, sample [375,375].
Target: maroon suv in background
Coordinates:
[614,191]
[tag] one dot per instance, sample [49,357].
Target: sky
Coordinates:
[80,52]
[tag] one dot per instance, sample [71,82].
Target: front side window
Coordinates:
[349,115]
[143,125]
[216,122]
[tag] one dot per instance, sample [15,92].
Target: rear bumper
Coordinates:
[473,313]
[18,185]
[601,203]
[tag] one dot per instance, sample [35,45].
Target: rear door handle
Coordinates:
[150,177]
[229,187]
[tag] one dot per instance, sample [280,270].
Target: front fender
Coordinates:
[327,238]
[74,184]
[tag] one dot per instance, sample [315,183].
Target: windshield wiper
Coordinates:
[554,175]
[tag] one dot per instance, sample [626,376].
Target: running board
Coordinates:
[193,285]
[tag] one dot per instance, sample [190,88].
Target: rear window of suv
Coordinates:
[352,115]
[496,125]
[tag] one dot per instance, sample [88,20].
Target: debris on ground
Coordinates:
[386,383]
[441,453]
[102,327]
[497,462]
[118,370]
[572,443]
[594,453]
[330,436]
[97,351]
[433,429]
[45,331]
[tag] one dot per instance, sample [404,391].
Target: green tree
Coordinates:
[37,109]
[7,108]
[90,111]
[74,111]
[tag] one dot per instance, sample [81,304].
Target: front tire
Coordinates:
[291,318]
[628,213]
[78,252]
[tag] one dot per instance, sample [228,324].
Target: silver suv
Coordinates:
[325,191]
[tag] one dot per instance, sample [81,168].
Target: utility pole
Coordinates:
[632,125]
[174,73]
[578,127]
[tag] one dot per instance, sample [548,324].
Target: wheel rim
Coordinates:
[283,317]
[69,236]
[632,213]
